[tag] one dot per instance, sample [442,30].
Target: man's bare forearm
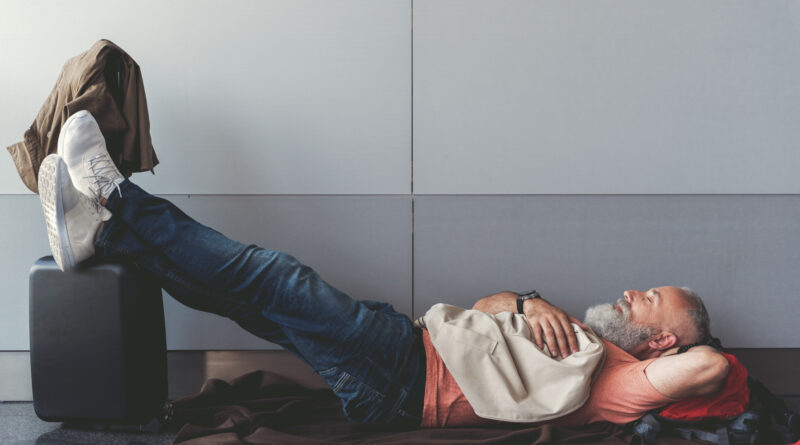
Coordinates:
[500,302]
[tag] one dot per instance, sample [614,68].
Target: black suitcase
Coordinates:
[98,348]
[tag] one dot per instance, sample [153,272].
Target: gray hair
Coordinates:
[698,316]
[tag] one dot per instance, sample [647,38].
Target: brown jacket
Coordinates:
[107,82]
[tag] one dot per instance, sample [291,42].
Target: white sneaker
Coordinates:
[73,219]
[83,148]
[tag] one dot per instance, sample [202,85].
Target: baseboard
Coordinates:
[15,376]
[777,368]
[188,370]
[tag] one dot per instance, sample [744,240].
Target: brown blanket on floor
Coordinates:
[264,408]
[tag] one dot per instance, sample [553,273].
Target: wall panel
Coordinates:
[359,244]
[740,253]
[611,97]
[249,97]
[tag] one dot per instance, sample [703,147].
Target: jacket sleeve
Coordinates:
[22,161]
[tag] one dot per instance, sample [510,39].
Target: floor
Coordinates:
[188,370]
[20,426]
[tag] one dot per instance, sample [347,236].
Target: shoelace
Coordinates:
[101,167]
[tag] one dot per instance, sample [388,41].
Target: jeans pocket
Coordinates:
[361,402]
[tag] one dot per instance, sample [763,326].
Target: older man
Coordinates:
[642,333]
[383,367]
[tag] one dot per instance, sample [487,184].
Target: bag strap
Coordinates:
[775,407]
[713,342]
[719,437]
[648,428]
[741,430]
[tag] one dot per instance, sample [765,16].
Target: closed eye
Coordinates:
[655,294]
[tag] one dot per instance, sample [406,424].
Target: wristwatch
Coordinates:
[526,296]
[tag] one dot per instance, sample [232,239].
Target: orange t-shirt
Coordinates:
[620,394]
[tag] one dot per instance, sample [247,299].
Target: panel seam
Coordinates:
[413,258]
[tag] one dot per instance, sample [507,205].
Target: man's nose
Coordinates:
[630,295]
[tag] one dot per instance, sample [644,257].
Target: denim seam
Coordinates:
[347,377]
[344,378]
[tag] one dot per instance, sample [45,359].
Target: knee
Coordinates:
[268,261]
[282,273]
[287,263]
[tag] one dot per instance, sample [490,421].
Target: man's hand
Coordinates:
[551,325]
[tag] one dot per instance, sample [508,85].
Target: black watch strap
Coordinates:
[526,296]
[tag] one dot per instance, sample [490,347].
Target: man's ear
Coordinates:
[662,341]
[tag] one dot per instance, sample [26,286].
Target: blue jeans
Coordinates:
[371,356]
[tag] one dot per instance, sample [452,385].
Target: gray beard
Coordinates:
[616,327]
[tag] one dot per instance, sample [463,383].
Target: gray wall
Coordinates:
[615,96]
[582,149]
[741,252]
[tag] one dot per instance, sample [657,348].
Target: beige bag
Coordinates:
[502,372]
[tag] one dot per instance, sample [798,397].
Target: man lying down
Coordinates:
[453,367]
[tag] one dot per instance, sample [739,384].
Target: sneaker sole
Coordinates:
[53,174]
